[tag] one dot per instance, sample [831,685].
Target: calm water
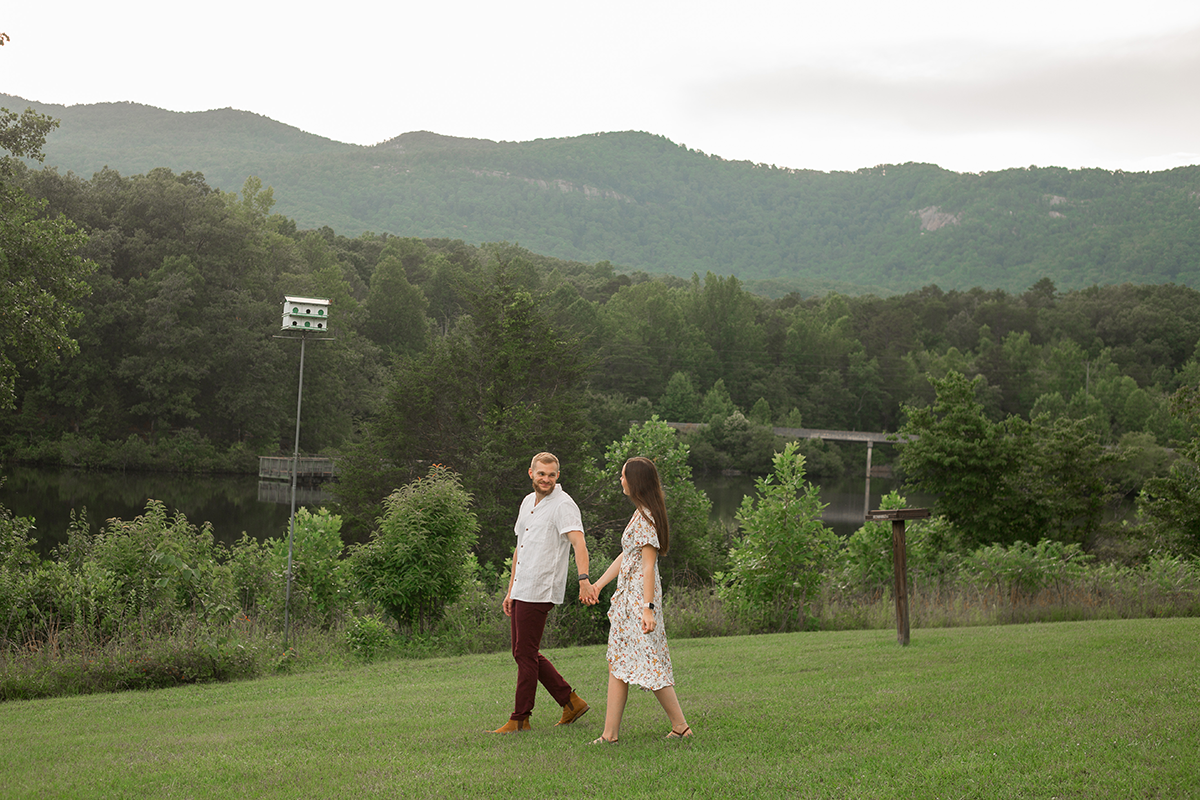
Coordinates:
[845,498]
[237,503]
[232,503]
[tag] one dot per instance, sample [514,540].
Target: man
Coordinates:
[547,527]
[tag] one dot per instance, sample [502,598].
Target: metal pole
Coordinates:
[287,602]
[867,494]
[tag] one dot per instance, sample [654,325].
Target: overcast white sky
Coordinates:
[818,85]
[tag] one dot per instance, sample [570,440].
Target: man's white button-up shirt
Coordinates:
[540,569]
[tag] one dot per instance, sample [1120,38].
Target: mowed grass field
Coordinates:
[1081,710]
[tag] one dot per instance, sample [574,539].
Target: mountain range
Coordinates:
[642,202]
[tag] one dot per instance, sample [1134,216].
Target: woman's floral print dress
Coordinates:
[636,657]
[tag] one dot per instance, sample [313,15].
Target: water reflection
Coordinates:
[232,503]
[237,503]
[846,498]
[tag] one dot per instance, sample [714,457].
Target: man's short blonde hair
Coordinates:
[544,458]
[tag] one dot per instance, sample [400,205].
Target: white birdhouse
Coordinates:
[305,314]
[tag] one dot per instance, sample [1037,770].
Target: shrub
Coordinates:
[697,613]
[319,591]
[369,637]
[419,557]
[18,560]
[697,549]
[257,585]
[776,567]
[475,623]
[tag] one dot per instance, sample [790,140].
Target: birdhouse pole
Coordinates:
[306,315]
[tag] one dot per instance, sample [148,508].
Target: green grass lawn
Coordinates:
[1086,710]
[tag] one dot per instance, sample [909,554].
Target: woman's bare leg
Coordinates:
[618,693]
[670,703]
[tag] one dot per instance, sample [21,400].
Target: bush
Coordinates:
[932,551]
[419,558]
[698,613]
[319,592]
[370,638]
[697,548]
[776,567]
[18,560]
[475,623]
[258,586]
[193,656]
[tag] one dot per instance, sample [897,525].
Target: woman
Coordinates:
[637,642]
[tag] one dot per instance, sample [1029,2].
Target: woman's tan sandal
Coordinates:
[602,740]
[686,733]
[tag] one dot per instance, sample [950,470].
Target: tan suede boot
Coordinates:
[514,726]
[573,710]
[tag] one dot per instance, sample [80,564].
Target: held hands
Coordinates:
[589,595]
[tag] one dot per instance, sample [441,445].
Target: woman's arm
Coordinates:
[649,557]
[609,574]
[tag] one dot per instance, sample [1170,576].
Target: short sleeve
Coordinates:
[568,517]
[643,532]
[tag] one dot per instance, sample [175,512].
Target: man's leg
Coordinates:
[528,624]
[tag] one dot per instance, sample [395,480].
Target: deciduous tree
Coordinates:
[41,272]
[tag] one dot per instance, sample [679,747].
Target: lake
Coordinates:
[237,503]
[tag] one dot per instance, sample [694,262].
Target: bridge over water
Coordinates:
[869,437]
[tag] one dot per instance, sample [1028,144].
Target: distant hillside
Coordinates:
[643,202]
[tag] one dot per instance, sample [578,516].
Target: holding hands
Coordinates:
[589,595]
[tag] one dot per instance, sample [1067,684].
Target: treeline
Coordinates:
[644,202]
[190,282]
[438,342]
[177,332]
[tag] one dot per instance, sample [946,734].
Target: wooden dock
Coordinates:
[309,469]
[280,492]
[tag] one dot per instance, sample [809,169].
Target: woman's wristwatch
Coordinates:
[649,606]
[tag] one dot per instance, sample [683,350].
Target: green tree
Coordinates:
[955,452]
[775,566]
[396,309]
[1000,482]
[42,274]
[1170,504]
[680,402]
[505,384]
[717,404]
[647,339]
[697,547]
[419,557]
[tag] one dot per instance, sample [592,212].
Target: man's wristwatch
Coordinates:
[583,576]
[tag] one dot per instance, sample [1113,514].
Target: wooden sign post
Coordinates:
[897,516]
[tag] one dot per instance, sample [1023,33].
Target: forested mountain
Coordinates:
[642,202]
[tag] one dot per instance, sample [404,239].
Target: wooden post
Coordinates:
[900,584]
[897,516]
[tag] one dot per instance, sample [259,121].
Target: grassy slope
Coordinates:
[1103,709]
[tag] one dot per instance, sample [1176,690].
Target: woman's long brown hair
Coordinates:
[646,492]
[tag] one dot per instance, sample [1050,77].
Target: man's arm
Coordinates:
[586,595]
[512,573]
